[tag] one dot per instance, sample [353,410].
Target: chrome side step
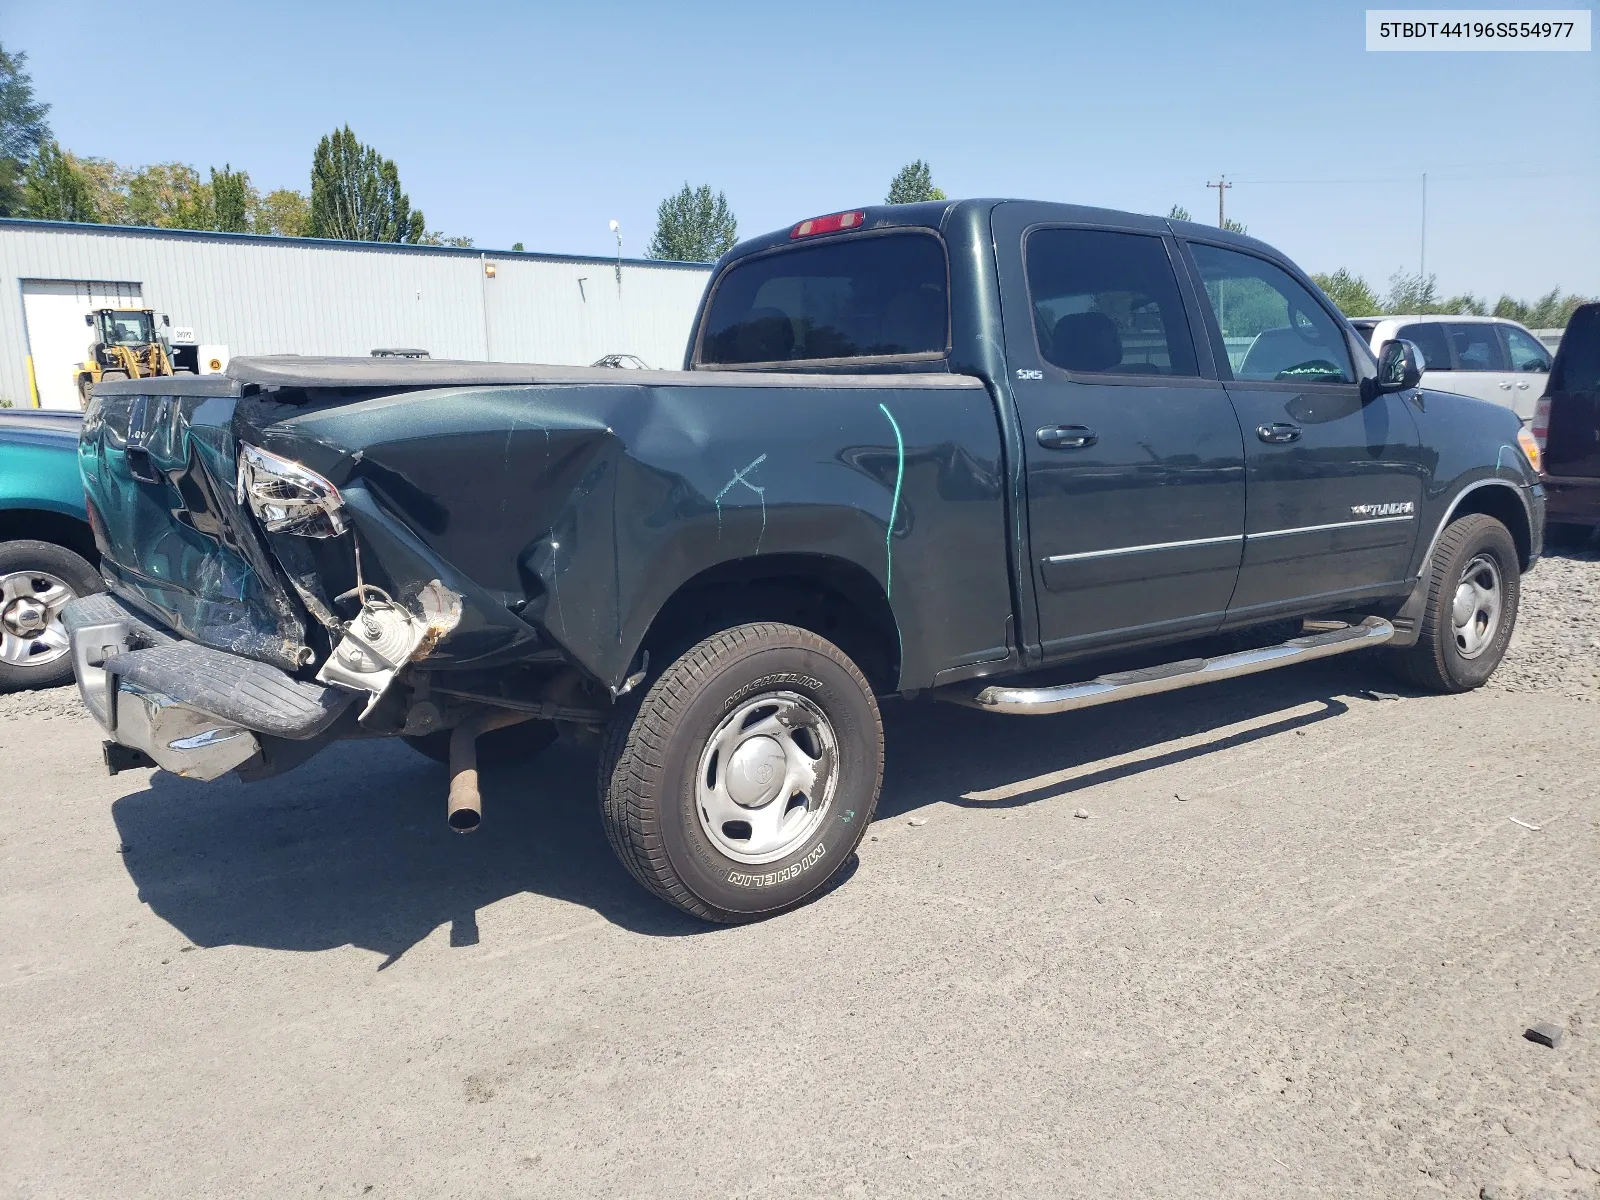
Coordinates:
[1169,677]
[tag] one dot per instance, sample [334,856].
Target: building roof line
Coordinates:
[271,239]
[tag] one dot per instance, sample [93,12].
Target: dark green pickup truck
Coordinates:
[920,449]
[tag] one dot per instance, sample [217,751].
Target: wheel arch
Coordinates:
[1497,498]
[66,530]
[832,597]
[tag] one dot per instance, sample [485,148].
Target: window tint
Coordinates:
[1107,303]
[1272,326]
[860,297]
[1477,347]
[1580,353]
[1429,338]
[1527,352]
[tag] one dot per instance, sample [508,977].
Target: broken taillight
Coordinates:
[287,497]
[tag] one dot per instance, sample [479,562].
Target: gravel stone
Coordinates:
[1556,646]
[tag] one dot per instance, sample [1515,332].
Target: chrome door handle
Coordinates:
[1505,387]
[1522,387]
[1278,432]
[1066,437]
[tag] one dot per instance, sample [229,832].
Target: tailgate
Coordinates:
[158,472]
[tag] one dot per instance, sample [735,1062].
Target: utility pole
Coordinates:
[1422,266]
[1222,188]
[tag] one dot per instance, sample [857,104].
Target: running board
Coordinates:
[1124,685]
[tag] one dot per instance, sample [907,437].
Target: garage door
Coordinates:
[58,340]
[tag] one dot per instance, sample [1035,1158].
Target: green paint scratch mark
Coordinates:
[894,505]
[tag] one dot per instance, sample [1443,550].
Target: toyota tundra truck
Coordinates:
[961,449]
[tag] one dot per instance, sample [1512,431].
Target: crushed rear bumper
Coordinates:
[195,711]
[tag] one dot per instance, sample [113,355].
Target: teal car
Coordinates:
[47,553]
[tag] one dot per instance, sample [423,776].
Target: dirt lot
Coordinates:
[1291,952]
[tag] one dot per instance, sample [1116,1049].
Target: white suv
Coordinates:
[1486,357]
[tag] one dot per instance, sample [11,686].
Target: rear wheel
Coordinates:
[1474,584]
[742,781]
[37,580]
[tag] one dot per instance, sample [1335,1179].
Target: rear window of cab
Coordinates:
[880,296]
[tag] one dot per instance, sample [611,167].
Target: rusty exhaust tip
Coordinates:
[464,807]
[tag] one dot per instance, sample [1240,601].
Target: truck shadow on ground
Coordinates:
[352,847]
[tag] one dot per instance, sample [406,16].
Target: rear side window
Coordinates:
[1428,336]
[1107,303]
[882,296]
[1477,347]
[1272,327]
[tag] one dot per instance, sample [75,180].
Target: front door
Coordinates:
[1135,469]
[1335,471]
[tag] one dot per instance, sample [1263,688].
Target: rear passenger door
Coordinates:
[1135,468]
[1334,472]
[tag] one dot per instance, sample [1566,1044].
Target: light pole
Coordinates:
[617,229]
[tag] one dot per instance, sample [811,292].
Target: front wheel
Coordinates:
[742,781]
[1474,583]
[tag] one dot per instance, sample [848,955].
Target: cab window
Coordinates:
[1107,303]
[1272,327]
[1477,346]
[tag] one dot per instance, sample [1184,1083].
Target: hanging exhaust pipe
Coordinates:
[464,808]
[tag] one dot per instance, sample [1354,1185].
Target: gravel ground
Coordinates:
[1291,951]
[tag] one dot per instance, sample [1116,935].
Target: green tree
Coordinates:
[284,212]
[356,194]
[23,131]
[1178,213]
[913,184]
[1232,226]
[1350,293]
[170,196]
[693,225]
[56,189]
[517,246]
[1416,293]
[234,201]
[1550,311]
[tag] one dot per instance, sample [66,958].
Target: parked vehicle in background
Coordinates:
[1566,424]
[914,448]
[47,554]
[1489,358]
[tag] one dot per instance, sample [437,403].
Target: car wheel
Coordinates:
[497,748]
[37,579]
[1474,584]
[743,779]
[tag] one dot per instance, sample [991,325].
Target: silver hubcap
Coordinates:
[767,775]
[1475,613]
[31,633]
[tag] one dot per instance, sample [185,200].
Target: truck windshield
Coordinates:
[129,328]
[873,296]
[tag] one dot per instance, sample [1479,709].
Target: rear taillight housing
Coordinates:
[287,497]
[1541,422]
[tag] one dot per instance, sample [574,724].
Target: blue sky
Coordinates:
[539,123]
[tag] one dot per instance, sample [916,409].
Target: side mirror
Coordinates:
[88,318]
[1400,365]
[166,320]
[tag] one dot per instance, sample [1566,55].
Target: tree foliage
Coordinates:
[1178,213]
[1550,311]
[23,131]
[356,194]
[284,212]
[233,200]
[1350,293]
[913,184]
[694,225]
[56,189]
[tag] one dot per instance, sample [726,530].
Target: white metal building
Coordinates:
[273,295]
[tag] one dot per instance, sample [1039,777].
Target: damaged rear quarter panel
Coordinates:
[585,507]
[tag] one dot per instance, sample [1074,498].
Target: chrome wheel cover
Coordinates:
[31,633]
[766,777]
[1475,611]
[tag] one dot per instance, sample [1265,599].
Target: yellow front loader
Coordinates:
[127,345]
